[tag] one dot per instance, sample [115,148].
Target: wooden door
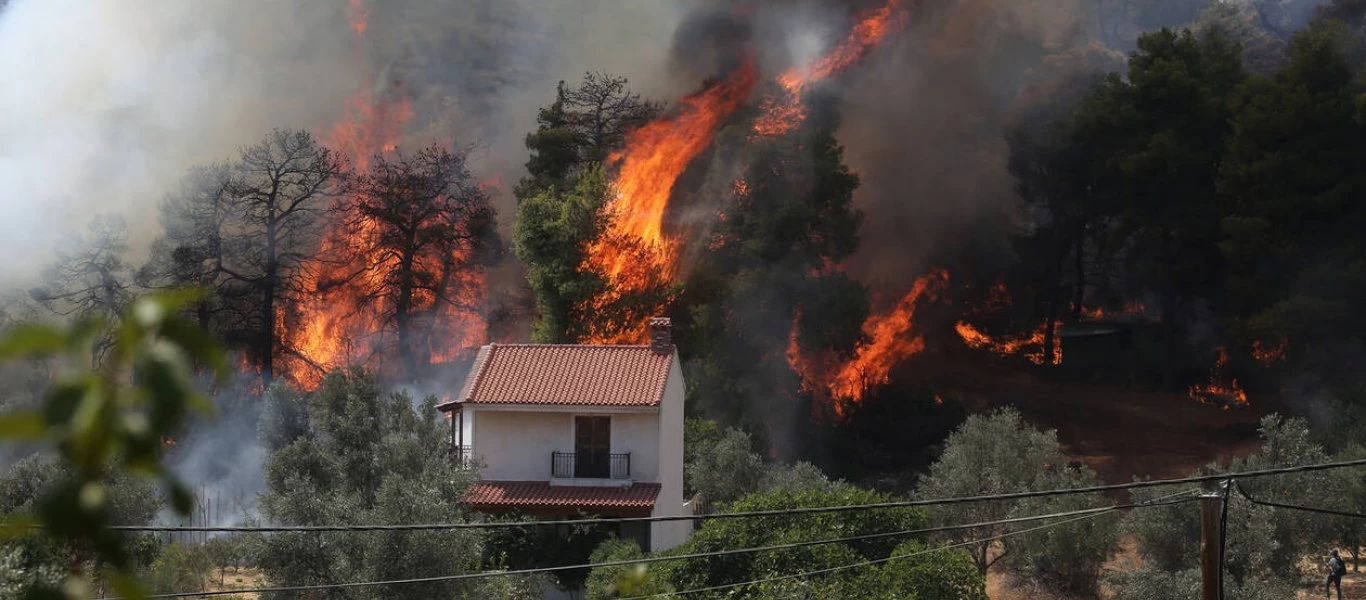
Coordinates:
[592,447]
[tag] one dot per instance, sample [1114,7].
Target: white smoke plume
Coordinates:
[107,103]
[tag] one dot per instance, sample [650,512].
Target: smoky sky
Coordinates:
[108,103]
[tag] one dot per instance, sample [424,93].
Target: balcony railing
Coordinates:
[590,465]
[462,456]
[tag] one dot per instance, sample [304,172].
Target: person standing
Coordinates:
[1336,569]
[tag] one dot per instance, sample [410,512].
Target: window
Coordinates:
[592,447]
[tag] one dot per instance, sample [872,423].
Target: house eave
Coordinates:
[551,408]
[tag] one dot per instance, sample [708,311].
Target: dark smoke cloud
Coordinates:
[924,120]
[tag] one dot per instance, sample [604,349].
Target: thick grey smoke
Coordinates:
[479,70]
[924,124]
[223,462]
[106,104]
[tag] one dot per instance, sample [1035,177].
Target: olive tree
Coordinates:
[1001,453]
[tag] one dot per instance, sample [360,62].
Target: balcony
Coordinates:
[462,456]
[586,465]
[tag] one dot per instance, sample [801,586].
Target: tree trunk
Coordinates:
[269,288]
[1168,312]
[202,315]
[1078,272]
[441,297]
[403,306]
[1050,341]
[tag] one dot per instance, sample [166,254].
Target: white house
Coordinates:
[567,429]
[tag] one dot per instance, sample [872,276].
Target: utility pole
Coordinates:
[1211,559]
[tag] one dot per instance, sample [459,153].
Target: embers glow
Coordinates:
[740,188]
[1133,308]
[1221,390]
[1266,354]
[778,116]
[891,340]
[634,254]
[1030,345]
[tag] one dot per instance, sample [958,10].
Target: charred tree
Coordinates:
[431,228]
[92,281]
[276,200]
[190,251]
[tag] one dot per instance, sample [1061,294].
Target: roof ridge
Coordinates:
[604,346]
[664,382]
[481,360]
[569,375]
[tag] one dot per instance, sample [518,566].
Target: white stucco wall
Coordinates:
[515,445]
[639,435]
[668,534]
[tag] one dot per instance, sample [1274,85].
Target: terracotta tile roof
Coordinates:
[577,375]
[541,495]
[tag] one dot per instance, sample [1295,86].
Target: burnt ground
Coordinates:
[1120,432]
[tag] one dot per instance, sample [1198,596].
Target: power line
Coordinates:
[764,513]
[1090,512]
[1312,509]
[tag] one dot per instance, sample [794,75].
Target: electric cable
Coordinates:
[1312,509]
[760,513]
[897,557]
[652,559]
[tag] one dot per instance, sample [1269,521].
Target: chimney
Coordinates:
[661,340]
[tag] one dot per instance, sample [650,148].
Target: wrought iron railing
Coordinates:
[590,465]
[462,456]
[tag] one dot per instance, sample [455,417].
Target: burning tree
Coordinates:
[278,194]
[249,231]
[561,200]
[771,259]
[430,226]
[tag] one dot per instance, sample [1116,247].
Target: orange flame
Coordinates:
[359,15]
[870,28]
[1132,308]
[634,253]
[329,327]
[1030,345]
[891,341]
[1266,354]
[255,387]
[1220,390]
